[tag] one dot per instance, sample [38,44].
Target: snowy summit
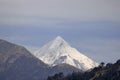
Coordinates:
[59,51]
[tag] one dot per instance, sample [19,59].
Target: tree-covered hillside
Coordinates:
[108,72]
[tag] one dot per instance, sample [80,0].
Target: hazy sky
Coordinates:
[91,26]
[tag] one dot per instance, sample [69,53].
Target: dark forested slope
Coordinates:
[108,72]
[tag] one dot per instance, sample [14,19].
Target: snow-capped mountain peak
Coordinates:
[58,42]
[59,51]
[59,38]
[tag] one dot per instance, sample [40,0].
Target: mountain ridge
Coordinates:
[17,63]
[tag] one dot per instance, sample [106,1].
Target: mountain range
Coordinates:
[17,63]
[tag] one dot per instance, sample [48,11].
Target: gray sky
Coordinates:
[91,26]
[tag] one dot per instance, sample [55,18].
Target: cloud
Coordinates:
[35,12]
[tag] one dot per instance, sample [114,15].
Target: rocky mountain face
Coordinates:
[59,51]
[17,63]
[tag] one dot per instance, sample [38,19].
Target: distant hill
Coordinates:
[17,63]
